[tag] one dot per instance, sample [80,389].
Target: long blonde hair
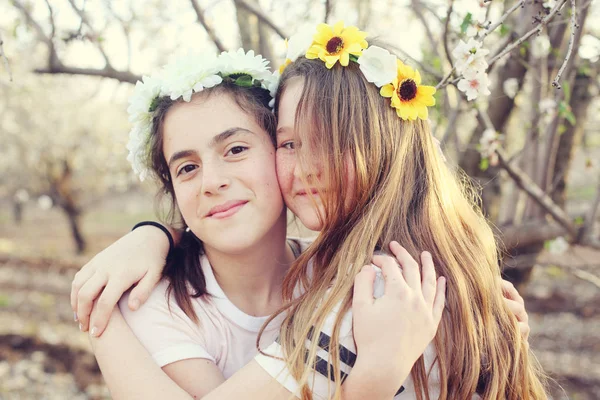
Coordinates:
[402,191]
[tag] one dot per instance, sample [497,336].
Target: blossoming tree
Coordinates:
[514,83]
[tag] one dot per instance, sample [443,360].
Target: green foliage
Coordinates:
[579,220]
[504,30]
[564,110]
[484,164]
[4,300]
[466,23]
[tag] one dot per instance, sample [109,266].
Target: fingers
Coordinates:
[517,309]
[80,278]
[141,292]
[104,306]
[440,299]
[363,287]
[410,268]
[525,330]
[85,299]
[510,292]
[391,274]
[429,278]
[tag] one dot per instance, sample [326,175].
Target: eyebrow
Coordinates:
[215,141]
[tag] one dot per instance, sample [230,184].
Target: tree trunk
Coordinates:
[75,226]
[62,190]
[17,212]
[569,140]
[254,35]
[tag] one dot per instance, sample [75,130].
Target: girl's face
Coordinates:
[222,167]
[304,201]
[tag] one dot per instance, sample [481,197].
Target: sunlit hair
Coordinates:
[403,191]
[183,268]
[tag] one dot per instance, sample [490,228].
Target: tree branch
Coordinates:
[121,76]
[491,28]
[209,30]
[262,17]
[85,21]
[532,32]
[446,30]
[328,9]
[5,59]
[542,199]
[556,81]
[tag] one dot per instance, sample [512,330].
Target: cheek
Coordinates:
[185,196]
[285,164]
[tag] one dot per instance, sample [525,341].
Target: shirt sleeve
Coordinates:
[169,335]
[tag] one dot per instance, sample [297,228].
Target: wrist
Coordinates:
[370,378]
[153,228]
[154,238]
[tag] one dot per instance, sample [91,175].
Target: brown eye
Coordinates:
[186,169]
[237,150]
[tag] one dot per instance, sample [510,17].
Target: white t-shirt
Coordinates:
[225,334]
[319,381]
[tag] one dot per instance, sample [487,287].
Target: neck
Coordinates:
[252,279]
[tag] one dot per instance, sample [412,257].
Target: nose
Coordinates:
[309,172]
[214,179]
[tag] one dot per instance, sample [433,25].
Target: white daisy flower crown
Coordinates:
[181,78]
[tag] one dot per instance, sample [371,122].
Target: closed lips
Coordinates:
[226,207]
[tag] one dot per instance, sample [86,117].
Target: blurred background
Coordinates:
[531,146]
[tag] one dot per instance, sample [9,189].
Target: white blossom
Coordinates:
[378,66]
[549,4]
[475,85]
[470,56]
[547,109]
[45,202]
[488,144]
[540,46]
[558,246]
[511,87]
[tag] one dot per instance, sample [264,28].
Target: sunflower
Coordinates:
[337,43]
[409,98]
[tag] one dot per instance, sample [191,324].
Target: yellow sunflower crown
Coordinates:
[397,81]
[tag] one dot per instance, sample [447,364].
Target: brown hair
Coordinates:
[402,191]
[183,265]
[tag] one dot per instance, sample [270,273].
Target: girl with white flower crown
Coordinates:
[375,175]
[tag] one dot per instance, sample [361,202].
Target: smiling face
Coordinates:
[302,198]
[221,163]
[303,187]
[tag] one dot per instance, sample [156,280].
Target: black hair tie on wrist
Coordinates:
[162,228]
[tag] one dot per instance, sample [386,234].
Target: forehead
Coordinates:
[193,125]
[286,113]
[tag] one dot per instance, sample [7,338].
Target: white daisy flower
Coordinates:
[144,93]
[190,74]
[238,62]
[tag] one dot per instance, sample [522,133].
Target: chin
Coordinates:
[311,221]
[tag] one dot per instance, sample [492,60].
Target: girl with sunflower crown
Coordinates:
[373,177]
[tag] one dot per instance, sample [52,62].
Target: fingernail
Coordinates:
[75,316]
[135,304]
[80,327]
[94,331]
[426,254]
